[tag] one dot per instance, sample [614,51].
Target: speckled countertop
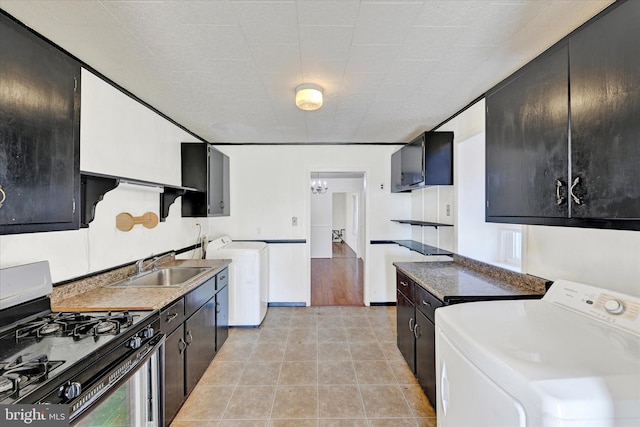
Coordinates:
[95,294]
[465,278]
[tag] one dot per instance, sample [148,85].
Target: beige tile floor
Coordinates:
[310,366]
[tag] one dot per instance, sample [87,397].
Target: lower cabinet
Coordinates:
[416,333]
[196,326]
[200,337]
[174,347]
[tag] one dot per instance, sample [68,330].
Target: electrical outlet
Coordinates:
[294,221]
[448,210]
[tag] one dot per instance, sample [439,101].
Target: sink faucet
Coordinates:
[140,267]
[153,263]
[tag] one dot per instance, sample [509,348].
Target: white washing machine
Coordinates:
[248,278]
[569,359]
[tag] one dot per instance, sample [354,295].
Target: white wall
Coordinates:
[118,136]
[270,185]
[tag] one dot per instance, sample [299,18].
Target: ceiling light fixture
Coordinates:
[317,186]
[309,97]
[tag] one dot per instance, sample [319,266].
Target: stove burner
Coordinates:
[5,384]
[76,325]
[18,374]
[104,327]
[50,328]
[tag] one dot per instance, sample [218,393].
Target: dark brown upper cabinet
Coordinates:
[562,132]
[39,133]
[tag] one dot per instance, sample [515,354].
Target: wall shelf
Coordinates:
[421,223]
[94,186]
[412,245]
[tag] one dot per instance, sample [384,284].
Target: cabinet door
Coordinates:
[200,335]
[406,321]
[174,348]
[527,142]
[218,183]
[222,317]
[425,335]
[39,134]
[605,115]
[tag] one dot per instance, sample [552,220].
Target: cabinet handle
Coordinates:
[223,277]
[559,198]
[3,196]
[410,322]
[217,308]
[426,303]
[416,331]
[403,284]
[576,199]
[222,204]
[189,339]
[171,317]
[181,345]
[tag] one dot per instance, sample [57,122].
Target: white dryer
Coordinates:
[569,359]
[248,278]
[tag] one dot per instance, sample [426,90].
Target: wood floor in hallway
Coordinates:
[337,280]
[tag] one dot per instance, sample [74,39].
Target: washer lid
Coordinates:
[553,360]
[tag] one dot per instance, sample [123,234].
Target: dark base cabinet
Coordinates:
[174,348]
[196,326]
[416,332]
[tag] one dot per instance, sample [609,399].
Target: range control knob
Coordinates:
[70,390]
[613,306]
[134,342]
[147,332]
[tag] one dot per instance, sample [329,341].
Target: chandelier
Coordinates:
[318,186]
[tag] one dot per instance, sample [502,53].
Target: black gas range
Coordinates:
[72,358]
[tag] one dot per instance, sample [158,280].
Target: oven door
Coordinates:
[134,400]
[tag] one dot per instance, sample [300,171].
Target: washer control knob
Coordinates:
[70,390]
[614,306]
[134,343]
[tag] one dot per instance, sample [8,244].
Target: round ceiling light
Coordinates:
[309,97]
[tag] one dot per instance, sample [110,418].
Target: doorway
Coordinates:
[337,241]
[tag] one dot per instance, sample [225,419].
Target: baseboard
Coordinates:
[383,304]
[287,304]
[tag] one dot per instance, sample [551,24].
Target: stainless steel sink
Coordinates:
[163,277]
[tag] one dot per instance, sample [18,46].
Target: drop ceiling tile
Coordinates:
[361,82]
[343,12]
[385,23]
[371,58]
[321,42]
[409,72]
[276,58]
[326,73]
[204,12]
[428,43]
[268,22]
[464,58]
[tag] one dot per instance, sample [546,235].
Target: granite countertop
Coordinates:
[451,281]
[104,297]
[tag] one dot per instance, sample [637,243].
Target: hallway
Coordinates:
[337,280]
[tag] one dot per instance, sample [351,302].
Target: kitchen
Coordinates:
[121,137]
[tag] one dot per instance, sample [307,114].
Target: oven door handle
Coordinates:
[117,375]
